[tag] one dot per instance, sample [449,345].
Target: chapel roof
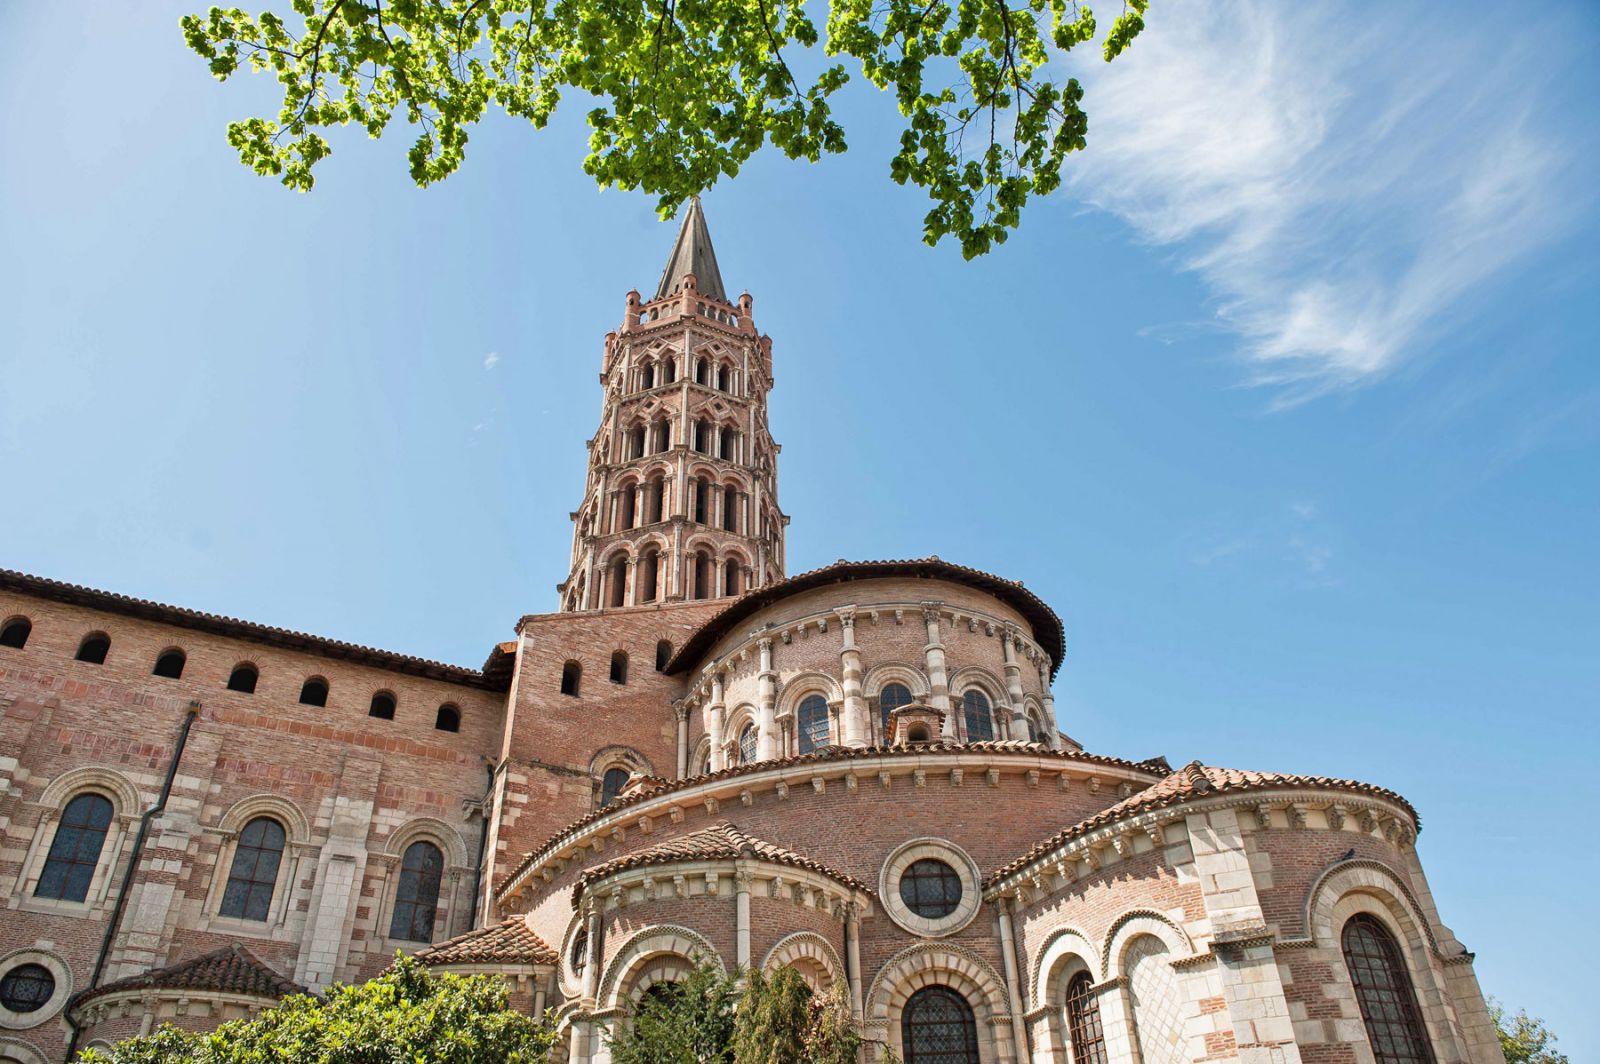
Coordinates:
[1047,629]
[1193,781]
[508,942]
[233,628]
[233,969]
[692,253]
[719,842]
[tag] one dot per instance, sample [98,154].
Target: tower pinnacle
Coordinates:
[693,253]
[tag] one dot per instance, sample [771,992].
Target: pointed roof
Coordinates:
[233,969]
[720,842]
[508,942]
[692,253]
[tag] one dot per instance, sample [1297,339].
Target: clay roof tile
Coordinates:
[508,942]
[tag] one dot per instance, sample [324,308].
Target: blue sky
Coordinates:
[1288,402]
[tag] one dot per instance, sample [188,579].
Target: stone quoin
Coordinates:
[856,772]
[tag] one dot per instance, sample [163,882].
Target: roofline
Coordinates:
[1047,628]
[834,760]
[233,628]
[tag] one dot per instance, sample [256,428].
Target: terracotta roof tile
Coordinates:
[720,842]
[1046,625]
[508,942]
[1193,780]
[233,628]
[826,755]
[233,969]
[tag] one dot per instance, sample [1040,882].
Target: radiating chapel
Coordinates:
[857,772]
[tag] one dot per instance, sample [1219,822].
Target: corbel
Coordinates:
[783,790]
[883,778]
[819,784]
[992,777]
[920,777]
[746,796]
[955,777]
[1031,777]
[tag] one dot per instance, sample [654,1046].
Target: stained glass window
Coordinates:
[1383,990]
[937,1027]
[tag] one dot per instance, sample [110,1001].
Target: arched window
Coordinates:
[170,664]
[578,955]
[663,436]
[627,511]
[571,675]
[813,723]
[636,441]
[702,575]
[649,574]
[728,449]
[1035,733]
[448,718]
[723,378]
[702,370]
[747,745]
[15,633]
[654,499]
[94,648]
[255,870]
[1083,1021]
[617,581]
[730,577]
[243,678]
[75,851]
[702,500]
[1384,993]
[611,785]
[416,902]
[314,692]
[730,508]
[382,706]
[702,437]
[891,698]
[979,717]
[937,1027]
[663,655]
[669,370]
[619,666]
[647,376]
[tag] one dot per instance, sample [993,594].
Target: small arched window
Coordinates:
[94,648]
[730,508]
[611,785]
[702,370]
[728,449]
[416,902]
[975,709]
[75,851]
[14,633]
[1083,1021]
[382,706]
[169,664]
[669,370]
[636,442]
[702,501]
[578,955]
[649,574]
[314,692]
[747,745]
[730,577]
[937,1027]
[619,666]
[617,581]
[655,496]
[702,575]
[1035,733]
[254,874]
[628,509]
[813,723]
[702,437]
[448,718]
[571,676]
[647,375]
[1384,993]
[891,698]
[663,655]
[663,436]
[243,678]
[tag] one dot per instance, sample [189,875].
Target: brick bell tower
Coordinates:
[681,499]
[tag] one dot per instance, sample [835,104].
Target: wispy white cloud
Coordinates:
[1339,179]
[491,360]
[1293,541]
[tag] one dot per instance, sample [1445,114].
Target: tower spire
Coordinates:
[692,253]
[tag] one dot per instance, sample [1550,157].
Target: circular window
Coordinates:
[930,888]
[26,988]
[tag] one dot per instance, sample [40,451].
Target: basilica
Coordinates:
[857,772]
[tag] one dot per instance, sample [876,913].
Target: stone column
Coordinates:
[1052,733]
[742,878]
[1008,955]
[767,745]
[715,721]
[1009,640]
[681,711]
[641,504]
[629,584]
[938,680]
[852,958]
[853,726]
[591,968]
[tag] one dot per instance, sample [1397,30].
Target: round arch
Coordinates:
[108,781]
[888,672]
[1065,952]
[25,1052]
[944,964]
[808,683]
[638,963]
[809,954]
[1130,926]
[434,830]
[279,808]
